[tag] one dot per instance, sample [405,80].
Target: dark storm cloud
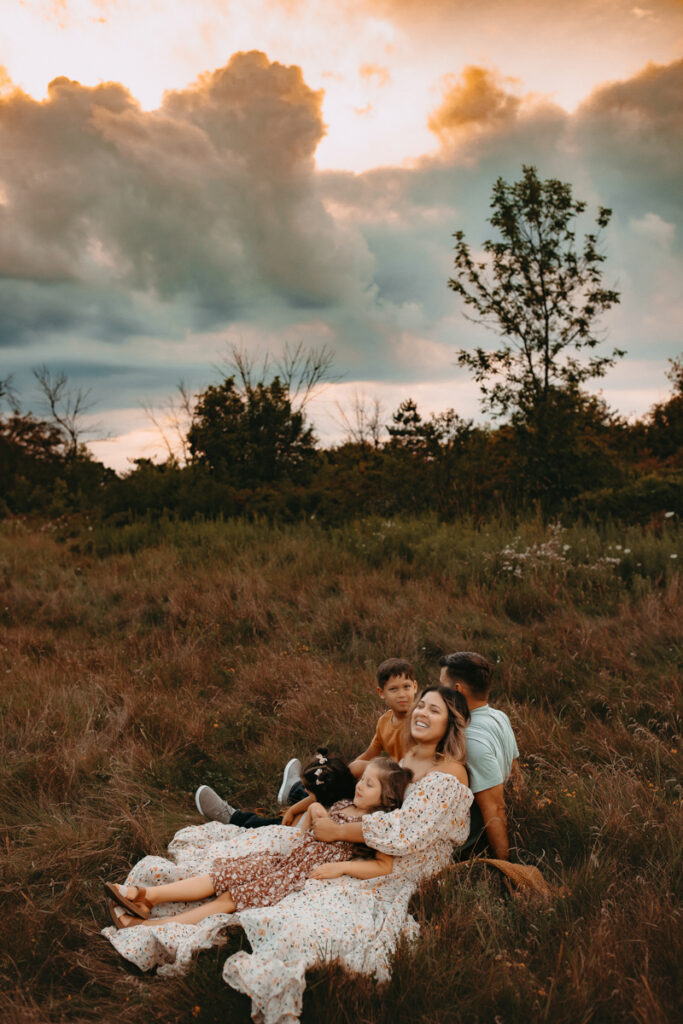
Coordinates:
[632,134]
[211,198]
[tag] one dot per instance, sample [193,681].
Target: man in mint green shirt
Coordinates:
[492,754]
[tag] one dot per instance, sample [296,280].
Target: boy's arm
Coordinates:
[381,864]
[358,766]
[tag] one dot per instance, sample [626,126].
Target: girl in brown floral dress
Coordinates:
[262,879]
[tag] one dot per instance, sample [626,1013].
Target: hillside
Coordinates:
[139,662]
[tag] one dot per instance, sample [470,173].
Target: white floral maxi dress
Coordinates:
[355,921]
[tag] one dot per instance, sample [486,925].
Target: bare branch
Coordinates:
[66,406]
[364,423]
[7,393]
[173,420]
[305,372]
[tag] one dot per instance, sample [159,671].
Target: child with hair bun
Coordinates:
[262,879]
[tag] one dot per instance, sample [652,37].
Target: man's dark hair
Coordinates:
[393,667]
[469,668]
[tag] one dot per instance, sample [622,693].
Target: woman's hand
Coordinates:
[327,871]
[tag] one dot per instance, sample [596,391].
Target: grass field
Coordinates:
[137,663]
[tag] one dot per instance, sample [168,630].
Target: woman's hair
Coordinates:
[394,780]
[452,743]
[328,778]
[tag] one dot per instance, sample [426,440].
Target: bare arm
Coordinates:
[381,864]
[358,766]
[492,806]
[516,778]
[298,808]
[328,831]
[305,820]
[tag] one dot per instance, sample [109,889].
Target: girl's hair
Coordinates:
[452,743]
[328,778]
[394,780]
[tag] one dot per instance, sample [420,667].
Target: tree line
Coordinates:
[245,446]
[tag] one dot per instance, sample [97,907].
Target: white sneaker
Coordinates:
[290,776]
[208,803]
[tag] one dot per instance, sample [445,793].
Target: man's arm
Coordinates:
[492,806]
[516,778]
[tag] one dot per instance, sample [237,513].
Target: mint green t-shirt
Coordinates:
[491,748]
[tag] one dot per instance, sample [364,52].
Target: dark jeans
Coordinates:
[247,819]
[296,793]
[476,840]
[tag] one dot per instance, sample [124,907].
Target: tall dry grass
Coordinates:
[136,664]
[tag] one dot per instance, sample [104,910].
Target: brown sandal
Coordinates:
[138,907]
[116,918]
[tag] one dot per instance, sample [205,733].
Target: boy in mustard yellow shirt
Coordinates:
[396,686]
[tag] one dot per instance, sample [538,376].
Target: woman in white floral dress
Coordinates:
[355,921]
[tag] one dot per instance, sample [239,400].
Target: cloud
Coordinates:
[475,100]
[211,197]
[375,73]
[633,131]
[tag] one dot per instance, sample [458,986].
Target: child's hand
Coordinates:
[317,811]
[327,871]
[289,816]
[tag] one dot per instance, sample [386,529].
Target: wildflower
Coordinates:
[674,555]
[668,515]
[627,551]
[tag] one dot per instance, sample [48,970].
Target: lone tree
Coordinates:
[539,292]
[543,294]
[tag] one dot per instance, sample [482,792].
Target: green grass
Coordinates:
[137,663]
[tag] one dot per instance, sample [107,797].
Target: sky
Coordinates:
[183,176]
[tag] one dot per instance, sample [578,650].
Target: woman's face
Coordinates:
[429,720]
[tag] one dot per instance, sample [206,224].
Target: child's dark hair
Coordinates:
[393,667]
[393,780]
[328,778]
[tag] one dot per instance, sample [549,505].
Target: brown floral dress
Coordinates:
[262,879]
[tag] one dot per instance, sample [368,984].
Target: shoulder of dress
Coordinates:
[444,780]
